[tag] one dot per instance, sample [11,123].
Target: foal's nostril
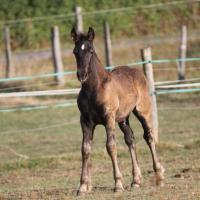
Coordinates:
[80,74]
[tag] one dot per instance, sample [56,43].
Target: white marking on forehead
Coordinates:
[82,46]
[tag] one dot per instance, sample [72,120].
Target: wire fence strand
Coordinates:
[20,78]
[41,128]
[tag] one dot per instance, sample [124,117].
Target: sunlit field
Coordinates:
[41,159]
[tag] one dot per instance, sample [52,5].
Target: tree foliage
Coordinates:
[137,21]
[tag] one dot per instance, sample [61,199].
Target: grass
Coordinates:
[40,155]
[40,150]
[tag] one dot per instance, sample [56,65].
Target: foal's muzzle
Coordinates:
[82,76]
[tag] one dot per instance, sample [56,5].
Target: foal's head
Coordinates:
[83,51]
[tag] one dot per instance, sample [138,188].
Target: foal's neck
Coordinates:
[97,75]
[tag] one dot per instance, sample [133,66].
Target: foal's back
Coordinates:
[124,73]
[130,80]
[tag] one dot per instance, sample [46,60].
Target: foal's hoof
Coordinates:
[83,189]
[79,193]
[137,181]
[118,189]
[89,188]
[160,176]
[135,185]
[159,179]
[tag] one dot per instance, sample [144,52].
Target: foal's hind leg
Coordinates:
[145,119]
[130,141]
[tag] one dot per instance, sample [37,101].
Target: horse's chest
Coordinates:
[91,109]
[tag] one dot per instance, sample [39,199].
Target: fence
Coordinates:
[58,63]
[78,15]
[177,86]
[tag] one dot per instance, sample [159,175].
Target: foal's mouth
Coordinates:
[83,78]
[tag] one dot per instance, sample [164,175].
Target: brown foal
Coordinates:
[106,98]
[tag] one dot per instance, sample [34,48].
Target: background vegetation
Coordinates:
[137,21]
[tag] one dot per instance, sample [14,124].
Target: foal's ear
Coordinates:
[74,34]
[91,34]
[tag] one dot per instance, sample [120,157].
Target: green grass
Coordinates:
[45,163]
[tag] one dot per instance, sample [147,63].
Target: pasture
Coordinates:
[40,155]
[41,159]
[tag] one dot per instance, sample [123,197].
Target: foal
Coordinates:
[106,98]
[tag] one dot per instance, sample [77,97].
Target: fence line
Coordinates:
[56,55]
[108,67]
[14,152]
[54,83]
[41,128]
[105,11]
[178,86]
[73,103]
[27,85]
[181,109]
[67,103]
[32,108]
[40,93]
[37,19]
[175,69]
[23,78]
[182,53]
[39,107]
[177,91]
[76,91]
[148,71]
[177,81]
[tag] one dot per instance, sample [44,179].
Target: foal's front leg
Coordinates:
[85,181]
[112,151]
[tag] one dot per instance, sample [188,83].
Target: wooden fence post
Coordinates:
[148,70]
[182,53]
[57,57]
[108,46]
[8,52]
[79,19]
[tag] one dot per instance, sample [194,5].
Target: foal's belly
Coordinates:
[123,112]
[98,110]
[126,106]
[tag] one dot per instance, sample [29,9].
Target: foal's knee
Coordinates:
[148,136]
[111,144]
[86,148]
[129,139]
